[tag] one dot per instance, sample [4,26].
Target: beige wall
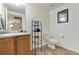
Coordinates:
[37,13]
[70,30]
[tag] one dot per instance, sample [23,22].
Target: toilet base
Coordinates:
[52,46]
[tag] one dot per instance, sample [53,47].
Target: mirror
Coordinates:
[2,17]
[1,23]
[15,17]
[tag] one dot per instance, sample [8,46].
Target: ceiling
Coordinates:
[22,7]
[48,6]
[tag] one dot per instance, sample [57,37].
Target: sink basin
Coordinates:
[3,32]
[6,32]
[10,32]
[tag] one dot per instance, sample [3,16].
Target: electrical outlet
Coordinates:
[62,35]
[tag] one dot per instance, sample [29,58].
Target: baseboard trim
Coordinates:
[68,49]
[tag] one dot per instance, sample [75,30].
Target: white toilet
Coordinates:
[52,43]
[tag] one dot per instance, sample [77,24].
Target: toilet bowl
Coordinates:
[52,43]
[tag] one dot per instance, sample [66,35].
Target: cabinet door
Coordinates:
[23,45]
[7,46]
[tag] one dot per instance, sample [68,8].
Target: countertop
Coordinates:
[13,34]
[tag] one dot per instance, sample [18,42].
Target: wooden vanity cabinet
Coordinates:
[7,46]
[19,45]
[23,45]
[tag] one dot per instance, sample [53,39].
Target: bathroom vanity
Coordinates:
[18,41]
[15,44]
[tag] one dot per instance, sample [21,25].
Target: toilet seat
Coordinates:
[52,41]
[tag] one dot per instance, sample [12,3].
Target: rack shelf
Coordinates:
[36,36]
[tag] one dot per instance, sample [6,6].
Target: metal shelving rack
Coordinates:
[36,36]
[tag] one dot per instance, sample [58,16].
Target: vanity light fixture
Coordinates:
[11,25]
